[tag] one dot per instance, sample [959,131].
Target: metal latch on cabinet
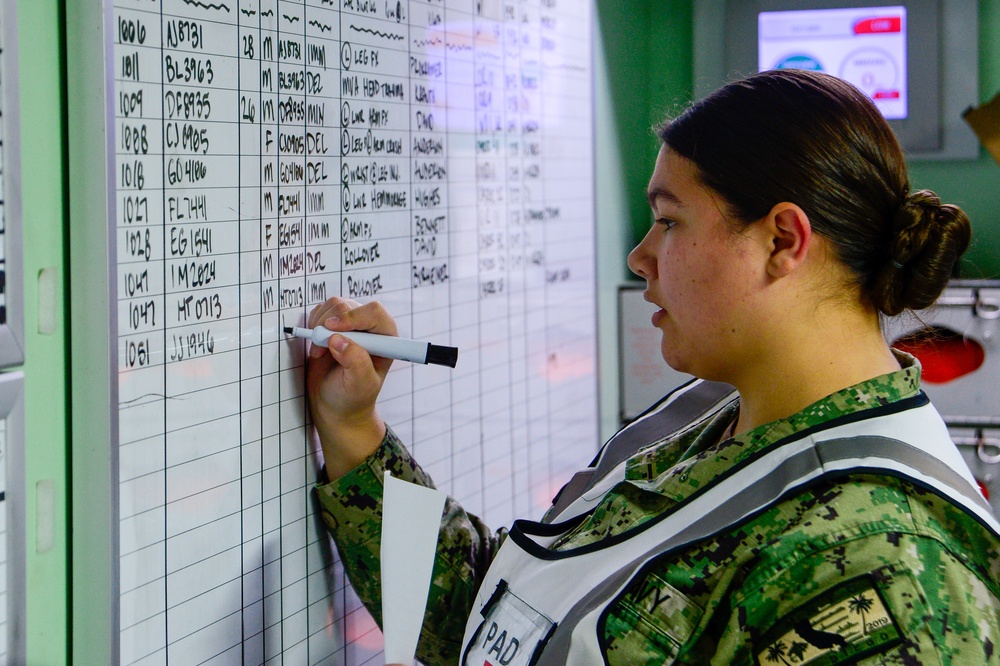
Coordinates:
[983,306]
[987,447]
[979,441]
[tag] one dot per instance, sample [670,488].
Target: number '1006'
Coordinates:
[131,31]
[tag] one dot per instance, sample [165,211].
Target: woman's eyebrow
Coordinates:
[662,193]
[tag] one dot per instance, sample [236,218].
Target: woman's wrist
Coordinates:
[348,443]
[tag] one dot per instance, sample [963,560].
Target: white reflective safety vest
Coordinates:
[538,606]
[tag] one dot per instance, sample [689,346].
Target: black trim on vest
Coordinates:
[501,587]
[522,528]
[498,592]
[537,654]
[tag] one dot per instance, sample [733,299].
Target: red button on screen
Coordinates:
[878,25]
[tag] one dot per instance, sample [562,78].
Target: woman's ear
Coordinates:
[789,238]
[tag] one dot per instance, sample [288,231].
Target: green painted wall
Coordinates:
[46,412]
[975,185]
[642,69]
[647,49]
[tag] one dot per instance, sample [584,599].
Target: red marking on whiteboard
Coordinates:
[886,94]
[878,25]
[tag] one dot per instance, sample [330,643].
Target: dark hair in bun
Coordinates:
[817,141]
[927,239]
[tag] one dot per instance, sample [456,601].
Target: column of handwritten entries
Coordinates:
[435,155]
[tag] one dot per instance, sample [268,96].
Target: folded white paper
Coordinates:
[411,518]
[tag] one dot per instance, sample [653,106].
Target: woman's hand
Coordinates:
[343,382]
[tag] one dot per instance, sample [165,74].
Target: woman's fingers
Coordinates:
[329,308]
[332,307]
[346,364]
[371,317]
[343,314]
[350,356]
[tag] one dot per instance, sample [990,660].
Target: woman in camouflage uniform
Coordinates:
[784,229]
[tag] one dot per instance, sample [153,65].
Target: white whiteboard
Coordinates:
[434,155]
[11,298]
[12,530]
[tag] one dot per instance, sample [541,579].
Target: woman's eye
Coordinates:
[665,222]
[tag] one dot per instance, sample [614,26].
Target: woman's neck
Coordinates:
[810,364]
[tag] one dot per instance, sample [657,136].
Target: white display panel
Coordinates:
[863,45]
[434,155]
[644,378]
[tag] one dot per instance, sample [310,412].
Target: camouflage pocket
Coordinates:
[648,624]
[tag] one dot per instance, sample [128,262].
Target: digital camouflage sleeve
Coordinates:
[865,570]
[352,510]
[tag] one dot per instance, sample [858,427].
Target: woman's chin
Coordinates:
[673,359]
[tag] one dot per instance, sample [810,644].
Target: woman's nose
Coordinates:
[637,261]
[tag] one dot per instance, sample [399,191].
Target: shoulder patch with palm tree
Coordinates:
[844,624]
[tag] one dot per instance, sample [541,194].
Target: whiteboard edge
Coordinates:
[94,430]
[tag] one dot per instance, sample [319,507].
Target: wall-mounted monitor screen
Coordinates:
[863,45]
[917,59]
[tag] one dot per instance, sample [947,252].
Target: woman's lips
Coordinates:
[659,314]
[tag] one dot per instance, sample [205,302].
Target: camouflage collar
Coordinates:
[677,469]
